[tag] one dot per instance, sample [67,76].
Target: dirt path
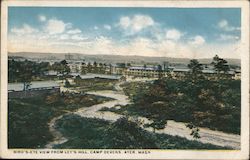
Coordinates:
[172,127]
[207,136]
[58,137]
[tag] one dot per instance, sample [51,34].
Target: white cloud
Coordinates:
[64,36]
[227,50]
[108,27]
[103,41]
[224,25]
[42,18]
[197,40]
[142,43]
[78,37]
[142,47]
[173,34]
[135,23]
[224,37]
[55,26]
[105,45]
[96,28]
[124,22]
[170,48]
[25,29]
[101,45]
[141,21]
[74,31]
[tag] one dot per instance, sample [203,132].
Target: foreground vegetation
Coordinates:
[89,133]
[206,103]
[28,118]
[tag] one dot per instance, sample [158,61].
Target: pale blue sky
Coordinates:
[143,31]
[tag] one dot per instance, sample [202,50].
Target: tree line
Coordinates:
[27,71]
[220,66]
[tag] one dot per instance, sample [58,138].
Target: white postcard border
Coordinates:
[155,154]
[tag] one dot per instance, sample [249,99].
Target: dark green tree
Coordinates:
[61,67]
[67,84]
[220,64]
[127,134]
[110,68]
[26,72]
[101,68]
[89,68]
[194,130]
[105,68]
[160,71]
[43,68]
[78,79]
[13,70]
[128,64]
[95,67]
[157,124]
[195,67]
[121,65]
[65,70]
[83,68]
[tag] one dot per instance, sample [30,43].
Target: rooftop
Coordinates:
[34,85]
[90,76]
[143,68]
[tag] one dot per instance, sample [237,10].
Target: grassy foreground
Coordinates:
[28,118]
[89,133]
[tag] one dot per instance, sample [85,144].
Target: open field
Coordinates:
[94,84]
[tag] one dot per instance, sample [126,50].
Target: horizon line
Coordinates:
[117,55]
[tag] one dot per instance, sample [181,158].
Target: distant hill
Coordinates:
[114,58]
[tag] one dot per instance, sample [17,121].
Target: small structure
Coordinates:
[37,88]
[75,66]
[143,71]
[51,73]
[237,75]
[100,76]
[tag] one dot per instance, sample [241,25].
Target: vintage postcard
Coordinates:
[125,79]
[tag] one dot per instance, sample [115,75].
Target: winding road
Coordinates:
[172,127]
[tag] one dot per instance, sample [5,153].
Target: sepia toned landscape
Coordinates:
[124,78]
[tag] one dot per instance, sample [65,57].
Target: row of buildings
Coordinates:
[145,71]
[125,69]
[78,68]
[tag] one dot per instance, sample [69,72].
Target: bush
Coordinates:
[67,84]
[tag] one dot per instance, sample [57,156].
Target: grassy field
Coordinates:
[28,118]
[94,84]
[89,133]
